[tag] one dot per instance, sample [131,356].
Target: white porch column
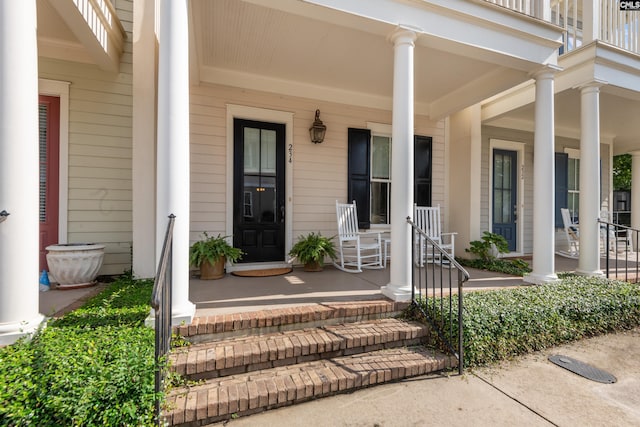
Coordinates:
[635,192]
[19,186]
[144,139]
[173,149]
[399,287]
[543,181]
[589,261]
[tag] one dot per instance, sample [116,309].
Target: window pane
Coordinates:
[267,195]
[268,151]
[380,158]
[251,150]
[379,203]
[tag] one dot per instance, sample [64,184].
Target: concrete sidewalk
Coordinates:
[529,391]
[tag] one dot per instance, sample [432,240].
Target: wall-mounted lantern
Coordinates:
[317,130]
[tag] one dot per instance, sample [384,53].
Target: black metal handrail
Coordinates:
[439,289]
[161,303]
[625,236]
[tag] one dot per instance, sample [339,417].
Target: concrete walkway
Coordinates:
[529,391]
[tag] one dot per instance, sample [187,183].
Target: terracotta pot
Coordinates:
[313,266]
[210,271]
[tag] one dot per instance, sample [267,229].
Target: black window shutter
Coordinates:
[422,170]
[359,141]
[562,186]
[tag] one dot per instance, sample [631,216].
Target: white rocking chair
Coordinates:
[571,231]
[358,249]
[427,219]
[620,240]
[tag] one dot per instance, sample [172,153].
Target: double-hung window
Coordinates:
[369,174]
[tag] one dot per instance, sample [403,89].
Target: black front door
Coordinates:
[258,190]
[505,197]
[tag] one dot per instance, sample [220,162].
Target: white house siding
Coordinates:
[319,170]
[489,133]
[99,162]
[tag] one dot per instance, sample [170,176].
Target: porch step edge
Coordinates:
[223,326]
[245,394]
[252,353]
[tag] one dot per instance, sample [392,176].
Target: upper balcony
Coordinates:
[584,21]
[81,30]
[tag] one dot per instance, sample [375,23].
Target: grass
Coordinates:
[501,324]
[94,366]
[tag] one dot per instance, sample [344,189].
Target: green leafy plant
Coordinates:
[501,324]
[516,267]
[313,248]
[212,249]
[483,248]
[94,366]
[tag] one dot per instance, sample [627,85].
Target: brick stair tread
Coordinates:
[273,320]
[244,394]
[236,355]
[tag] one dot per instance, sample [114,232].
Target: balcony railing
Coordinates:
[611,25]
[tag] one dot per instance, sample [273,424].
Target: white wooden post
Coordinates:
[173,149]
[19,186]
[543,181]
[399,287]
[589,261]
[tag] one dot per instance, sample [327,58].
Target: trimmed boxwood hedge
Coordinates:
[94,366]
[505,323]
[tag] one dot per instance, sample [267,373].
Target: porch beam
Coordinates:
[19,186]
[173,161]
[399,287]
[543,180]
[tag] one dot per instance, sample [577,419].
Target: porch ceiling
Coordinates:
[619,73]
[63,33]
[310,50]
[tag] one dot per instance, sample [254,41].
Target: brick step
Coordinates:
[226,397]
[222,326]
[238,355]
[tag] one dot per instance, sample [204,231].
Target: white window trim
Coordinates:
[60,89]
[518,147]
[263,115]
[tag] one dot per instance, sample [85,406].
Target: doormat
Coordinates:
[583,369]
[265,272]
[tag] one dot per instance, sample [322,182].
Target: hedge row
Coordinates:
[94,366]
[505,323]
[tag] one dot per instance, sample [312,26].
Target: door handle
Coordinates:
[281,213]
[515,213]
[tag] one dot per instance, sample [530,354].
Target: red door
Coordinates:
[49,117]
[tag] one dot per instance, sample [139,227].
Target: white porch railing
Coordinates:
[609,23]
[102,19]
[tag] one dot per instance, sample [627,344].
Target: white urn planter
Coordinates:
[75,265]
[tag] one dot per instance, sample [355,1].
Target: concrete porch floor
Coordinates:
[233,294]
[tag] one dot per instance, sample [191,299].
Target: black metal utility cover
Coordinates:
[582,369]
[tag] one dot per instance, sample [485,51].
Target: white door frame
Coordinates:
[262,115]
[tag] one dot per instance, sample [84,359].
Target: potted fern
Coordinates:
[312,249]
[210,255]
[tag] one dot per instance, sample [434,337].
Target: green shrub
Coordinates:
[504,323]
[516,267]
[93,367]
[482,248]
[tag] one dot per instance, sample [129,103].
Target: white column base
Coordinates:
[539,279]
[179,316]
[590,273]
[397,293]
[11,332]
